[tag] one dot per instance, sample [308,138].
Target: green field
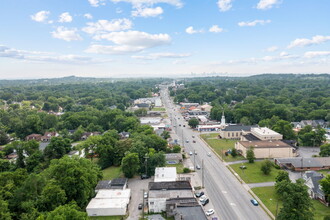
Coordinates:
[269,198]
[221,145]
[111,173]
[253,174]
[179,167]
[158,109]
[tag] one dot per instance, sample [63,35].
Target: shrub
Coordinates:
[186,170]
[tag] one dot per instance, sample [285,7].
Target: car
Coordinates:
[193,136]
[209,154]
[194,141]
[144,176]
[145,195]
[209,212]
[254,202]
[198,167]
[179,124]
[202,198]
[184,125]
[140,206]
[214,218]
[190,153]
[205,202]
[199,194]
[187,141]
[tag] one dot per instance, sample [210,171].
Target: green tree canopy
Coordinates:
[130,164]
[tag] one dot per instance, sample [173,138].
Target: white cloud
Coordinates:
[88,16]
[272,49]
[40,16]
[45,56]
[191,30]
[65,17]
[129,41]
[156,56]
[215,29]
[103,26]
[138,3]
[96,3]
[312,54]
[253,23]
[301,42]
[67,34]
[147,12]
[224,5]
[267,4]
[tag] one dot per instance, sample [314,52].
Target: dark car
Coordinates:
[144,176]
[205,202]
[140,206]
[194,141]
[254,202]
[199,194]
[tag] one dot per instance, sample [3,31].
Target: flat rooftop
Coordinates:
[191,213]
[167,194]
[264,131]
[265,144]
[173,185]
[113,194]
[107,203]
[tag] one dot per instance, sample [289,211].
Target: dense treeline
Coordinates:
[249,100]
[47,184]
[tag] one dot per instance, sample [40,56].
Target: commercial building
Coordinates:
[266,134]
[266,149]
[304,164]
[173,158]
[234,131]
[208,127]
[165,174]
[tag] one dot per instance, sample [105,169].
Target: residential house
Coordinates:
[312,181]
[313,123]
[78,153]
[85,135]
[48,136]
[124,135]
[36,137]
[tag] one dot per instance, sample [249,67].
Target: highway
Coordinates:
[230,199]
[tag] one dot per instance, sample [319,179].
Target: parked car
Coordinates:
[209,212]
[209,154]
[202,198]
[199,194]
[184,125]
[195,152]
[140,206]
[187,141]
[144,176]
[205,202]
[145,195]
[198,167]
[190,153]
[194,141]
[254,202]
[193,136]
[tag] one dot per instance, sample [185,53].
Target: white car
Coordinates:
[209,154]
[202,198]
[145,195]
[209,212]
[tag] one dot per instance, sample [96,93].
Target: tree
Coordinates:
[78,133]
[233,152]
[166,135]
[4,139]
[155,160]
[130,164]
[297,204]
[4,211]
[309,137]
[282,176]
[51,197]
[34,163]
[266,167]
[140,112]
[193,122]
[325,150]
[250,155]
[285,128]
[78,172]
[325,183]
[68,211]
[176,149]
[57,148]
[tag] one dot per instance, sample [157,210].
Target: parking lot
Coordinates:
[137,186]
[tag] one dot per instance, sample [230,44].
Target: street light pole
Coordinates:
[146,157]
[194,158]
[202,173]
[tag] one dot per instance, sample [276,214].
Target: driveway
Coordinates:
[136,185]
[308,151]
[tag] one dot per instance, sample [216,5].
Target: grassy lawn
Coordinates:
[325,172]
[158,109]
[107,217]
[269,198]
[253,174]
[111,173]
[179,167]
[221,145]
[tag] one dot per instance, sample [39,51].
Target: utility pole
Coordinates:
[146,157]
[143,204]
[194,159]
[202,173]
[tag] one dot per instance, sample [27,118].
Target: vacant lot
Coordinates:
[253,174]
[221,145]
[179,167]
[269,198]
[111,173]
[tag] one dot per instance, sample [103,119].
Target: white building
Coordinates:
[158,102]
[266,134]
[165,174]
[109,203]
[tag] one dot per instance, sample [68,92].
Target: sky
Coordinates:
[162,38]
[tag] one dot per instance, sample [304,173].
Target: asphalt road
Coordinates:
[230,199]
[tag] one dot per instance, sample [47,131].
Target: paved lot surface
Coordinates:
[308,151]
[136,185]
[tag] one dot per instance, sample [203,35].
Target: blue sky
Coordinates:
[125,38]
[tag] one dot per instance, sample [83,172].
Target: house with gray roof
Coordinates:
[312,181]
